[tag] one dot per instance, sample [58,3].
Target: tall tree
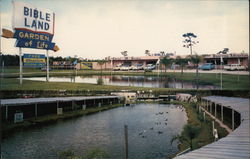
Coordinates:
[124,53]
[189,42]
[182,62]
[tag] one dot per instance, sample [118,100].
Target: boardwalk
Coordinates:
[34,107]
[234,146]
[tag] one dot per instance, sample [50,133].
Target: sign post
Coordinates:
[33,28]
[21,66]
[47,54]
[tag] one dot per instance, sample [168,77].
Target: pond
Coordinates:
[121,80]
[150,129]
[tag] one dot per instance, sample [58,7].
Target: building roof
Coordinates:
[136,58]
[232,55]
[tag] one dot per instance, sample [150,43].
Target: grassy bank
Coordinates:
[232,82]
[11,127]
[205,136]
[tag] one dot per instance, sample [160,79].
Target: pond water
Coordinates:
[138,81]
[103,130]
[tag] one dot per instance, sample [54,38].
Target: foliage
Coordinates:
[95,153]
[100,81]
[10,60]
[182,62]
[124,53]
[188,42]
[195,59]
[147,52]
[68,154]
[166,61]
[189,133]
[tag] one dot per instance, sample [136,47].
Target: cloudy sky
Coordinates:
[97,28]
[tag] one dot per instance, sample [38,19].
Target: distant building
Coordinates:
[144,60]
[62,65]
[232,58]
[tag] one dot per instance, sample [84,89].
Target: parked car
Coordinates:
[117,68]
[149,67]
[125,68]
[207,66]
[234,67]
[137,67]
[45,69]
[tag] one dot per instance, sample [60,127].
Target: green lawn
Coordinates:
[230,82]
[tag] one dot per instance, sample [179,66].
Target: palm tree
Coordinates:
[182,62]
[101,62]
[190,132]
[195,59]
[166,61]
[124,53]
[147,52]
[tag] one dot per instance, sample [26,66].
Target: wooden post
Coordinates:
[204,116]
[213,127]
[20,66]
[215,109]
[232,119]
[221,113]
[211,107]
[6,112]
[207,104]
[126,141]
[57,105]
[36,110]
[47,78]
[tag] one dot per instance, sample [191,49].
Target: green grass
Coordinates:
[230,82]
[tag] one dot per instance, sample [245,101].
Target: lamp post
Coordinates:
[221,61]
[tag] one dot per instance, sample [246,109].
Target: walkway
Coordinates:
[24,101]
[234,146]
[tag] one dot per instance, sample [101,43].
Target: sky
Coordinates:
[95,29]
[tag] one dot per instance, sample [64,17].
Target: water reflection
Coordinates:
[139,81]
[103,130]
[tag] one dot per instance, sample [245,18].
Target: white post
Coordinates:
[221,72]
[204,116]
[47,52]
[232,119]
[211,110]
[21,66]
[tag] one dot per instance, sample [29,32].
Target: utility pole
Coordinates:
[126,141]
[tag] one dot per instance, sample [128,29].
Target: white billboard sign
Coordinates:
[30,18]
